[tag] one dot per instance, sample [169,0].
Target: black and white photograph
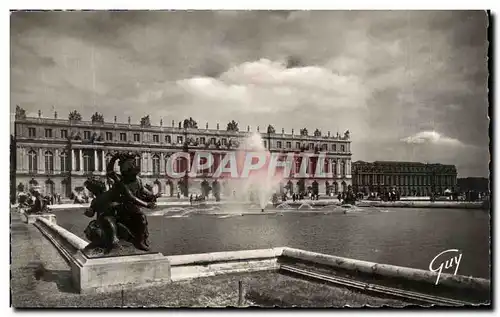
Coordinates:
[250,158]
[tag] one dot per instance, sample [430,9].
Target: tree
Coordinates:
[216,190]
[97,118]
[232,126]
[289,187]
[301,185]
[75,116]
[303,132]
[315,188]
[205,188]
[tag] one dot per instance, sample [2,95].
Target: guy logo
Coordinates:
[450,263]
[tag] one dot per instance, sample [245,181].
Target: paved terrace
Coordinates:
[40,277]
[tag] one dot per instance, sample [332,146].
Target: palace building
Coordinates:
[408,178]
[58,155]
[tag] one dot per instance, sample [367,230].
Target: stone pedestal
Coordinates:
[29,219]
[101,273]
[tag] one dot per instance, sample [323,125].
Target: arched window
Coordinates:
[335,187]
[49,187]
[87,162]
[344,187]
[167,167]
[138,162]
[342,168]
[32,162]
[156,165]
[49,162]
[64,161]
[157,185]
[334,168]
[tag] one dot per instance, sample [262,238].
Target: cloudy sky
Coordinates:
[409,86]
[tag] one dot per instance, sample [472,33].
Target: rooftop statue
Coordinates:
[190,124]
[347,134]
[97,118]
[20,113]
[232,126]
[145,122]
[75,116]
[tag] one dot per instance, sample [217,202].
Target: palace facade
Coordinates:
[408,178]
[58,155]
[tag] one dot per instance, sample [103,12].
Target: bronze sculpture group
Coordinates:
[118,210]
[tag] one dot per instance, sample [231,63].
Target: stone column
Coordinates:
[162,164]
[143,162]
[41,161]
[103,159]
[73,160]
[150,162]
[81,159]
[18,159]
[96,166]
[57,163]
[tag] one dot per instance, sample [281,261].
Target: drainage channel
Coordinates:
[394,292]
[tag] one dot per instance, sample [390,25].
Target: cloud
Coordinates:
[431,137]
[271,86]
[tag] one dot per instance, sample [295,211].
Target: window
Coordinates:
[168,139]
[138,162]
[288,145]
[64,134]
[87,161]
[297,145]
[32,162]
[278,144]
[324,147]
[156,165]
[32,132]
[224,141]
[86,135]
[311,146]
[212,141]
[49,162]
[137,137]
[64,162]
[179,139]
[48,133]
[156,138]
[202,140]
[342,148]
[265,144]
[109,136]
[123,137]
